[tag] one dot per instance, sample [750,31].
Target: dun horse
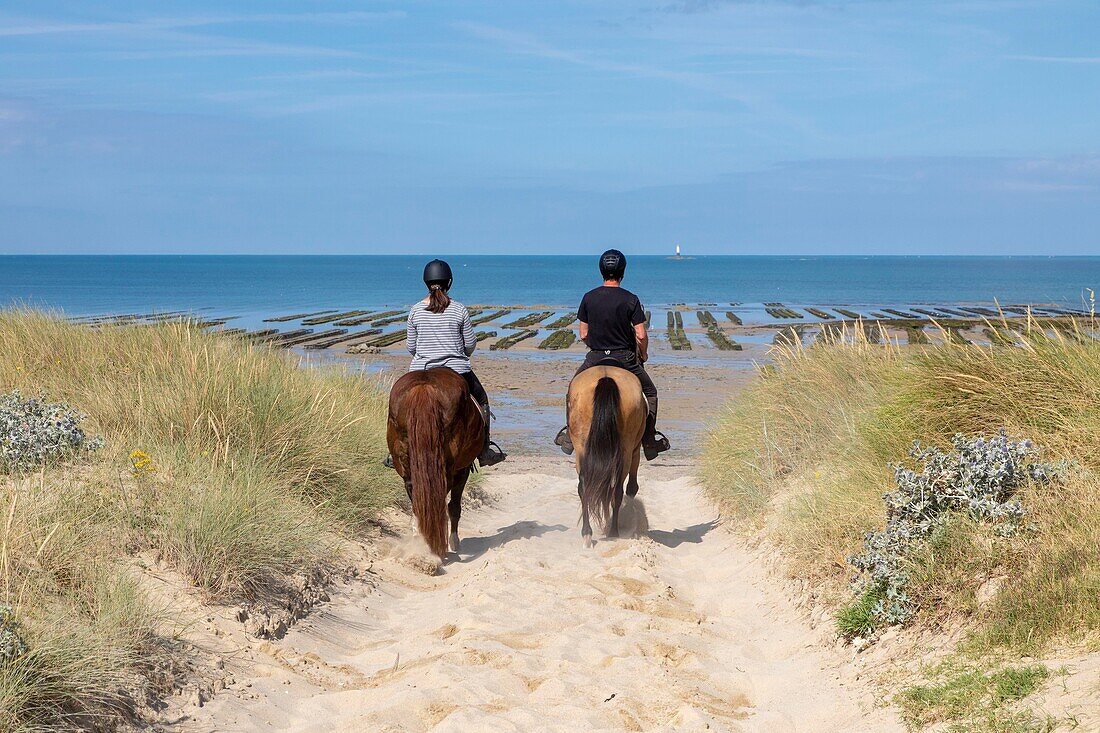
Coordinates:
[435,432]
[606,419]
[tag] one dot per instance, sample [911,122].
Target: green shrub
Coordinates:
[861,616]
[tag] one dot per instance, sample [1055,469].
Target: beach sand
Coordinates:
[679,629]
[683,627]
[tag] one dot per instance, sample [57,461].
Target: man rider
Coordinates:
[612,324]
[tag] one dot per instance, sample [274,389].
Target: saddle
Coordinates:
[610,361]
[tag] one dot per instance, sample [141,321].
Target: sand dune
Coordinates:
[681,629]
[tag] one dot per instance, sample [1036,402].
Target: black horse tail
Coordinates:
[602,466]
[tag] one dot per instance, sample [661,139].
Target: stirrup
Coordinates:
[654,445]
[564,442]
[491,455]
[388,461]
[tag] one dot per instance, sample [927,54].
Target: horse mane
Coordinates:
[601,471]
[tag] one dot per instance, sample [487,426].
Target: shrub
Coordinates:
[860,617]
[34,432]
[980,477]
[12,645]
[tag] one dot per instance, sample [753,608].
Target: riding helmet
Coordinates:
[612,265]
[438,272]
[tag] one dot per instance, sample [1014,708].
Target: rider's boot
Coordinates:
[564,442]
[654,441]
[491,454]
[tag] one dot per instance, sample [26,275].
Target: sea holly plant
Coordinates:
[980,476]
[34,431]
[12,645]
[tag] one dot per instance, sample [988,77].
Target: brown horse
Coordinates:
[435,431]
[606,419]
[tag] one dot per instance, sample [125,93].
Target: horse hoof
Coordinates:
[589,543]
[454,542]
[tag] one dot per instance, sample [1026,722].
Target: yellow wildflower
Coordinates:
[141,462]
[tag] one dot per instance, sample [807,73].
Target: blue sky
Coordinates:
[751,126]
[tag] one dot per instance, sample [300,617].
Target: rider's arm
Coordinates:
[410,334]
[642,338]
[582,316]
[469,340]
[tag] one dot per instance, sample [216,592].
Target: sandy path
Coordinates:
[681,630]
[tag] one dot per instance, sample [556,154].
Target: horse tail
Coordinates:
[429,472]
[602,464]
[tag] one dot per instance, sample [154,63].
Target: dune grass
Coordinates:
[89,633]
[237,466]
[975,699]
[805,454]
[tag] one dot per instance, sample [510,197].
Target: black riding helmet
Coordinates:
[612,265]
[438,272]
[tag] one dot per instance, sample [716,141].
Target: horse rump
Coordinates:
[601,470]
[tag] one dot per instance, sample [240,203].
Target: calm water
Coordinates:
[253,285]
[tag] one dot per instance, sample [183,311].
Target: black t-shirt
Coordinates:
[611,314]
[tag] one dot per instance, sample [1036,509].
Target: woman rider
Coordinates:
[440,335]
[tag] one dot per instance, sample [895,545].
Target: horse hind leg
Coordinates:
[632,481]
[637,524]
[615,505]
[454,507]
[409,490]
[586,527]
[631,492]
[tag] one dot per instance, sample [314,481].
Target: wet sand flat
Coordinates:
[527,392]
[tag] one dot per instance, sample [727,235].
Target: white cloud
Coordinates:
[40,28]
[721,86]
[1057,59]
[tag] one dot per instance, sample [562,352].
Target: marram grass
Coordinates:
[227,459]
[805,453]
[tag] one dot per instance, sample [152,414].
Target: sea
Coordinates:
[263,285]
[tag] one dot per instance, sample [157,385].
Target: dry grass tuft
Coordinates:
[233,462]
[806,453]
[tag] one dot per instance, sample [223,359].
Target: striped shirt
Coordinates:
[440,339]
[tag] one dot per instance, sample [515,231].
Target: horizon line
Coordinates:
[594,252]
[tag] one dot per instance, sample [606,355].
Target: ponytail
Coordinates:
[438,300]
